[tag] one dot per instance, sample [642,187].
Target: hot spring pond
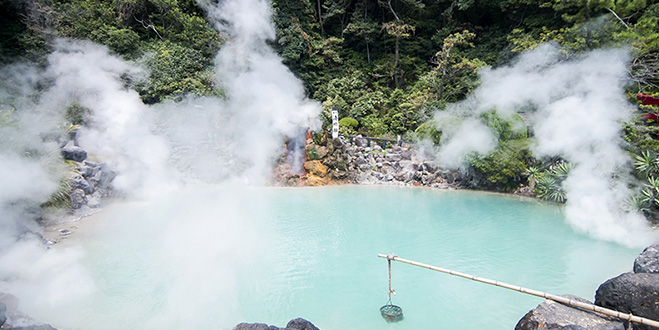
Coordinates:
[211,258]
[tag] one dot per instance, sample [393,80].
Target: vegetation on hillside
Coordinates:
[385,64]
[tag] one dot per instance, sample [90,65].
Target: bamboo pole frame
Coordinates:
[563,300]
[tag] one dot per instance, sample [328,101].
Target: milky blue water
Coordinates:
[214,257]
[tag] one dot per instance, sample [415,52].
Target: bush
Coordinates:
[503,168]
[428,131]
[348,122]
[374,126]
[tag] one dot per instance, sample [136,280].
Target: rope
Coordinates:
[390,289]
[564,300]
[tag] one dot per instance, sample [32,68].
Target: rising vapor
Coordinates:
[576,106]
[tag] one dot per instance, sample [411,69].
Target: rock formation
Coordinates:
[355,161]
[648,260]
[296,324]
[554,315]
[636,293]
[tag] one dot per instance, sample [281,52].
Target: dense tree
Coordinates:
[387,64]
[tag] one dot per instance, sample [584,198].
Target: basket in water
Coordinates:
[391,313]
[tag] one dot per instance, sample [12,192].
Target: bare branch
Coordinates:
[618,17]
[149,26]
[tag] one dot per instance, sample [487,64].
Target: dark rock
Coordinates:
[296,324]
[300,324]
[35,327]
[85,171]
[80,183]
[74,153]
[637,294]
[551,315]
[429,167]
[73,136]
[77,198]
[104,177]
[255,326]
[91,164]
[393,157]
[3,313]
[338,143]
[648,260]
[406,154]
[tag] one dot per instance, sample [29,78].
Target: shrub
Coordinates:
[348,122]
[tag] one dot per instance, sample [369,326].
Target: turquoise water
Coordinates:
[215,257]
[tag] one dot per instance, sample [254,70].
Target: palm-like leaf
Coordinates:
[647,162]
[562,170]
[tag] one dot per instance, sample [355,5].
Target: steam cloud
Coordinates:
[209,139]
[576,107]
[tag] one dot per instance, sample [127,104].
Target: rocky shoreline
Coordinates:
[358,161]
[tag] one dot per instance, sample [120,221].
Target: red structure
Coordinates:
[649,100]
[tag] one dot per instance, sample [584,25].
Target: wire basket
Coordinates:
[391,313]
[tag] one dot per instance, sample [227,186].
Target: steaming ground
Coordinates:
[576,106]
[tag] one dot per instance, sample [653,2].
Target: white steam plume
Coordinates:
[30,168]
[577,108]
[266,100]
[119,132]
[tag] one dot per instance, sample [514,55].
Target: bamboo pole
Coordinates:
[563,300]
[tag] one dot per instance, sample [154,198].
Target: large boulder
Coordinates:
[255,326]
[637,294]
[648,260]
[71,152]
[552,315]
[300,324]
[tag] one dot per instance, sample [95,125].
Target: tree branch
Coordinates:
[148,26]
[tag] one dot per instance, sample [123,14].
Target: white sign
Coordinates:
[335,123]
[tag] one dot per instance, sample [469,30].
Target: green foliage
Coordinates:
[512,129]
[76,114]
[348,126]
[428,131]
[174,70]
[374,126]
[349,122]
[62,197]
[503,168]
[549,182]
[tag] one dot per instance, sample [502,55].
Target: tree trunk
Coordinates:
[368,53]
[395,70]
[320,20]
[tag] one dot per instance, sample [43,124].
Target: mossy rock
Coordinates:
[315,152]
[315,167]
